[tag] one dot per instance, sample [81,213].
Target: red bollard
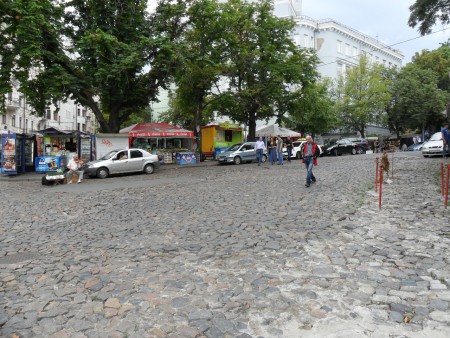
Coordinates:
[446,187]
[442,178]
[376,174]
[380,194]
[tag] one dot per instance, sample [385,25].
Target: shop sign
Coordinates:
[228,125]
[9,154]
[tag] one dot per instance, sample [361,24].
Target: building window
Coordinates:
[10,97]
[306,40]
[311,42]
[48,113]
[78,126]
[20,122]
[355,51]
[84,112]
[13,120]
[348,50]
[4,119]
[55,115]
[20,101]
[78,111]
[339,46]
[32,125]
[84,127]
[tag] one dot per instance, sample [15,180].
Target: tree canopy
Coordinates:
[110,56]
[425,14]
[362,96]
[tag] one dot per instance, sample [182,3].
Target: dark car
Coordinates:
[340,147]
[362,143]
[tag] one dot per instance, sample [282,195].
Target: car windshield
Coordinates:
[109,155]
[234,147]
[436,137]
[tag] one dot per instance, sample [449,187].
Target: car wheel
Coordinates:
[353,151]
[237,160]
[264,159]
[298,155]
[149,169]
[335,152]
[102,173]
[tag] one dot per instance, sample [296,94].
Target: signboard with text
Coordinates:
[9,154]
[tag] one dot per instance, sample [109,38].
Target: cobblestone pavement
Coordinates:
[229,251]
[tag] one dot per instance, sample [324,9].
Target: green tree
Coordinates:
[200,67]
[425,13]
[362,96]
[262,63]
[312,109]
[418,102]
[111,56]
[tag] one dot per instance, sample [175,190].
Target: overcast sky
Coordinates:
[386,20]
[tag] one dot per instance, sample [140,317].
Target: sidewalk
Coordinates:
[34,176]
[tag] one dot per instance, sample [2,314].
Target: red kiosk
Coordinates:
[175,144]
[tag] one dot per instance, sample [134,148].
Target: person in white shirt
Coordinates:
[260,146]
[74,166]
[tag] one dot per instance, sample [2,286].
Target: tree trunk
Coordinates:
[252,127]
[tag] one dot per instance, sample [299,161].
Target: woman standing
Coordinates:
[272,148]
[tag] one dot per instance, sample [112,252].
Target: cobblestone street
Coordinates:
[229,251]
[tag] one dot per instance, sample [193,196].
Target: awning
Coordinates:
[145,129]
[274,130]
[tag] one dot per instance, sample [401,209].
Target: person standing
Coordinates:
[74,166]
[272,148]
[310,152]
[288,143]
[260,146]
[279,143]
[445,139]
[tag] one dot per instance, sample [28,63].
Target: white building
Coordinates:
[337,46]
[18,117]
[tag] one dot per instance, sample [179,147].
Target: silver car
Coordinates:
[433,146]
[240,152]
[123,161]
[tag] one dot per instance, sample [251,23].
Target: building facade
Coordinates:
[19,118]
[337,46]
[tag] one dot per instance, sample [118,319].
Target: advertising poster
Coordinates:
[47,164]
[9,154]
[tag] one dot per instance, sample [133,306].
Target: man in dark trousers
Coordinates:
[310,152]
[288,144]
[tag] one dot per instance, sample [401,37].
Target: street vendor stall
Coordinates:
[216,138]
[56,146]
[162,139]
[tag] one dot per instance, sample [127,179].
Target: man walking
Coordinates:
[260,146]
[446,139]
[310,152]
[280,150]
[288,143]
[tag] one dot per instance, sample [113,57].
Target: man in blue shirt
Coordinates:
[445,138]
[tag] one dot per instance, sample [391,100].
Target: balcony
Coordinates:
[12,105]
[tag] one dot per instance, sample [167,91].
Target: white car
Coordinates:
[433,146]
[296,149]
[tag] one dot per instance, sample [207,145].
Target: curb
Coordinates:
[33,176]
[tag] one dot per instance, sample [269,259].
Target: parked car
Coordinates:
[433,146]
[363,144]
[296,149]
[239,153]
[343,146]
[415,147]
[123,161]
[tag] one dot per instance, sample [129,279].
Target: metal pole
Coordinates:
[381,187]
[376,174]
[442,178]
[446,187]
